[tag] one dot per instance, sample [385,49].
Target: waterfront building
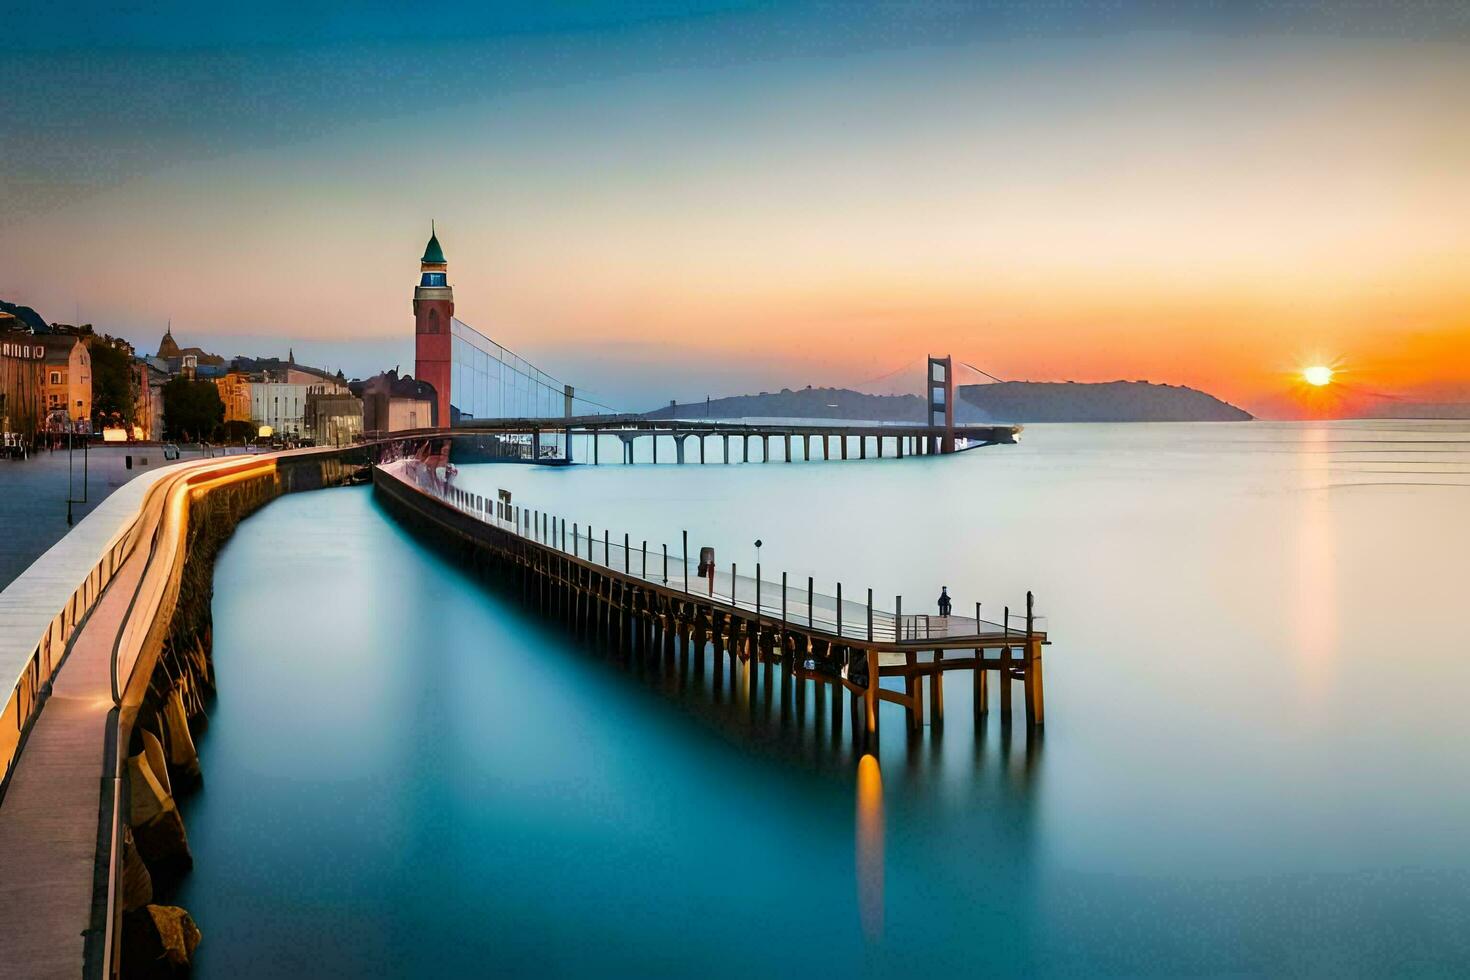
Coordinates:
[234,392]
[433,311]
[333,415]
[22,361]
[394,404]
[187,360]
[66,388]
[148,382]
[280,405]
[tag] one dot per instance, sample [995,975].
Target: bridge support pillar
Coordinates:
[679,449]
[787,438]
[725,440]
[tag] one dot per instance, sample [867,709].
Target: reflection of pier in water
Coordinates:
[655,603]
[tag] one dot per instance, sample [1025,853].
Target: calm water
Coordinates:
[1254,760]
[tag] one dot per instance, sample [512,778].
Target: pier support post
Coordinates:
[1035,702]
[870,698]
[1006,665]
[843,437]
[936,691]
[982,689]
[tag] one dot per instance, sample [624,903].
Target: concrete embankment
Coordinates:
[114,693]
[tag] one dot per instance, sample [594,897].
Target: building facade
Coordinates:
[280,405]
[234,391]
[66,391]
[333,415]
[22,363]
[148,382]
[394,404]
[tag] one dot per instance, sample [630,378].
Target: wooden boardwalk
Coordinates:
[629,599]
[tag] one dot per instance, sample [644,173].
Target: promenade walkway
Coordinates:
[49,813]
[33,496]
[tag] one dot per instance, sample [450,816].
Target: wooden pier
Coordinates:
[656,603]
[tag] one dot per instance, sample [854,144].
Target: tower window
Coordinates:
[433,279]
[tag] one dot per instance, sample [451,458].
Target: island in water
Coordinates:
[1005,401]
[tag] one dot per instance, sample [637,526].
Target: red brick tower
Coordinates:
[433,309]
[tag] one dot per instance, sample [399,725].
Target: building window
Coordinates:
[56,377]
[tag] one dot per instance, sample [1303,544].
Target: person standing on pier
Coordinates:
[944,603]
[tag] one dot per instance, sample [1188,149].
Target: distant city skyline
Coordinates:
[723,198]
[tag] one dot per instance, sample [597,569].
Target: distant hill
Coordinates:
[28,317]
[1112,401]
[804,403]
[1010,401]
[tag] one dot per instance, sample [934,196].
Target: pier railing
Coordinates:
[774,596]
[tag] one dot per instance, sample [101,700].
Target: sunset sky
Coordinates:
[712,198]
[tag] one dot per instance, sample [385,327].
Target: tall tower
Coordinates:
[433,308]
[941,403]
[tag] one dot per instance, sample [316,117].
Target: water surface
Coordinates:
[1253,759]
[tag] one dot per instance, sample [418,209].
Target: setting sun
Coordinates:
[1318,375]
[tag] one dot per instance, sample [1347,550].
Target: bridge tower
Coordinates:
[941,403]
[433,309]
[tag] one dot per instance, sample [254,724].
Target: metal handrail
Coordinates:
[550,531]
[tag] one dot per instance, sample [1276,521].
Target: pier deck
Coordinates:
[605,582]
